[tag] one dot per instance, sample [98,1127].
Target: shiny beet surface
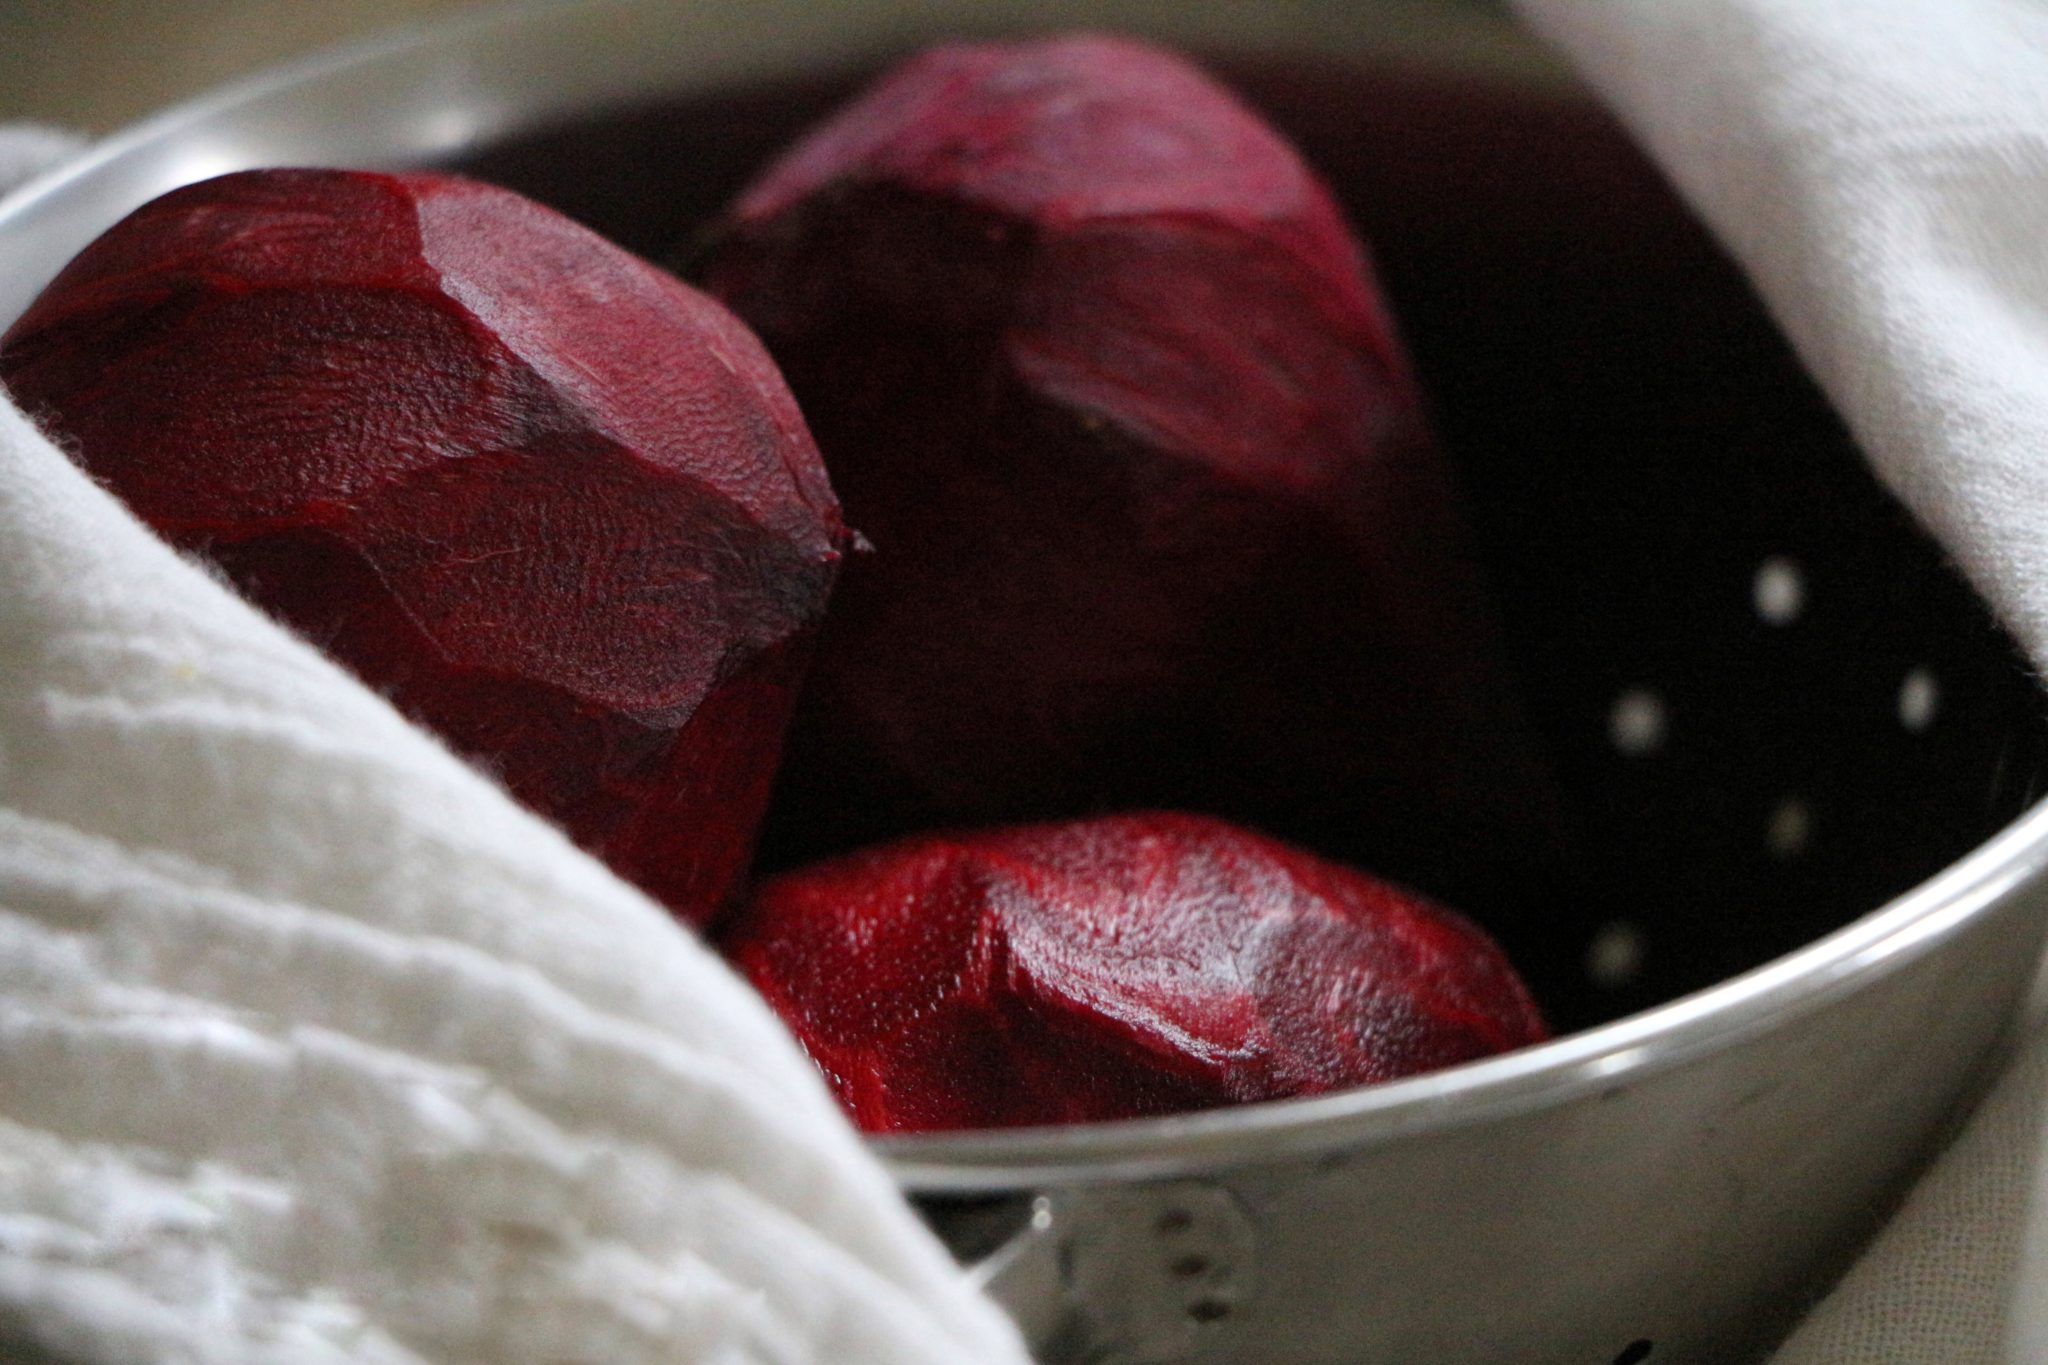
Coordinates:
[557,504]
[1097,365]
[1112,968]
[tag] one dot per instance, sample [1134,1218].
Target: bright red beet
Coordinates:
[1098,367]
[556,503]
[1129,965]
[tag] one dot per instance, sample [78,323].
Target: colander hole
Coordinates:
[1635,1353]
[1779,591]
[1919,699]
[1637,723]
[1174,1222]
[1188,1267]
[1790,830]
[1614,957]
[1209,1310]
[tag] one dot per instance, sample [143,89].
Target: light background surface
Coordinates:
[97,64]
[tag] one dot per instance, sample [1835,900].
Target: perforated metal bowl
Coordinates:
[1804,901]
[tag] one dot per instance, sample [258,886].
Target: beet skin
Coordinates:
[557,504]
[1113,968]
[1098,367]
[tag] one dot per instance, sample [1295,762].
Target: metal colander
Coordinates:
[1773,702]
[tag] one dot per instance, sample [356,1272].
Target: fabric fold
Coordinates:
[313,1045]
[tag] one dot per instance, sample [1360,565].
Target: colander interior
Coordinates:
[1770,702]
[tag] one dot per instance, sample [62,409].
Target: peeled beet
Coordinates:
[1098,367]
[558,505]
[1113,968]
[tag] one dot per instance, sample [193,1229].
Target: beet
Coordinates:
[1113,968]
[1098,367]
[557,504]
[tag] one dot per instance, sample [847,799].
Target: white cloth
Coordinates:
[315,1048]
[1880,168]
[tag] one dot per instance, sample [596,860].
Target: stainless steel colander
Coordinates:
[1803,900]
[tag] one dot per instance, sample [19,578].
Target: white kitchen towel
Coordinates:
[1880,169]
[316,1048]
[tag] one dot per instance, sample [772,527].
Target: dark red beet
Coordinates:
[559,505]
[1129,965]
[1097,365]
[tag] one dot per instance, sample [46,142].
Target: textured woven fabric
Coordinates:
[1880,168]
[1940,1284]
[314,1047]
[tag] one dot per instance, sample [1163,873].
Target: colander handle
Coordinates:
[1155,1270]
[1025,1277]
